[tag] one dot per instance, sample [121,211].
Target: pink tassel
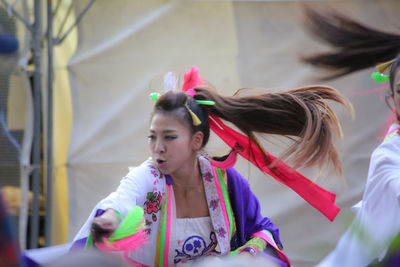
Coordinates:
[126,244]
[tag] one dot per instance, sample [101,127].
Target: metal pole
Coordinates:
[50,79]
[36,150]
[59,39]
[18,16]
[64,21]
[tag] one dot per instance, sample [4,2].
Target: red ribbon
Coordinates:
[318,197]
[321,199]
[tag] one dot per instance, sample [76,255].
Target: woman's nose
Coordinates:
[160,146]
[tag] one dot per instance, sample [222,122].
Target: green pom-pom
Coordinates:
[379,77]
[154,96]
[130,225]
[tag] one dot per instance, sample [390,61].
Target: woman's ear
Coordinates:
[197,141]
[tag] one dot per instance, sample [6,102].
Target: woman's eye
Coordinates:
[171,137]
[151,137]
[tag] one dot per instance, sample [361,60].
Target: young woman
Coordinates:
[196,206]
[355,47]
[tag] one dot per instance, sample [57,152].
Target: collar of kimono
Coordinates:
[318,197]
[394,130]
[219,208]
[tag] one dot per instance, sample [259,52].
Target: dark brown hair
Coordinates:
[300,112]
[354,46]
[174,103]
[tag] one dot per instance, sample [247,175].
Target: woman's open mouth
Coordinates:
[161,163]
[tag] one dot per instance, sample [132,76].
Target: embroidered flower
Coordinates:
[151,207]
[208,177]
[148,226]
[154,171]
[214,203]
[153,203]
[151,166]
[221,232]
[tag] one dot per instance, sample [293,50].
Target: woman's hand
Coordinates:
[103,226]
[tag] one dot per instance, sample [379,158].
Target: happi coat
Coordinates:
[377,221]
[234,211]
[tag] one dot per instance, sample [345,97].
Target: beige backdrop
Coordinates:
[124,47]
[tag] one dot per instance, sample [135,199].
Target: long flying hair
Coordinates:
[301,112]
[354,46]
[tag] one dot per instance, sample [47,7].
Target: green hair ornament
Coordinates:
[155,96]
[379,77]
[205,102]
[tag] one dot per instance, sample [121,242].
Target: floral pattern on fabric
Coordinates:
[154,170]
[153,202]
[148,226]
[208,177]
[215,205]
[194,247]
[221,232]
[151,207]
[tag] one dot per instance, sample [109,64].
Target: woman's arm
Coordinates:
[255,233]
[378,218]
[131,192]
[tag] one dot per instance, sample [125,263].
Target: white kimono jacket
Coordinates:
[378,214]
[147,187]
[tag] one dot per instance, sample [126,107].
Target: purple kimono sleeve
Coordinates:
[247,211]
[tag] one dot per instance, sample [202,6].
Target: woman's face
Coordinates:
[172,144]
[396,93]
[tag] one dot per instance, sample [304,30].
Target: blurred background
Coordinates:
[74,105]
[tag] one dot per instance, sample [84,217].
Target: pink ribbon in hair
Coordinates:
[191,80]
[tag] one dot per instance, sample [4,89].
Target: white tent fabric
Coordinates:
[19,119]
[124,45]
